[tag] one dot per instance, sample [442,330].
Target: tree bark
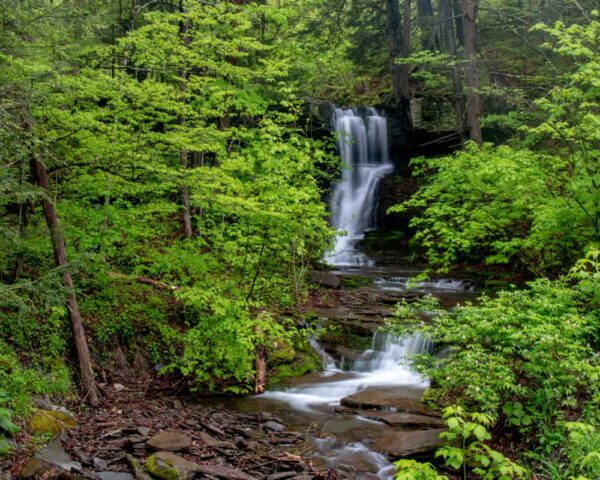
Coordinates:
[39,173]
[186,215]
[458,21]
[405,50]
[394,31]
[473,103]
[260,365]
[429,37]
[448,36]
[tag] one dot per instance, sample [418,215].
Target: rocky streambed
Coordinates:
[348,421]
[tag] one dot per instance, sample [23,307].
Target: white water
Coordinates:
[402,284]
[383,365]
[364,151]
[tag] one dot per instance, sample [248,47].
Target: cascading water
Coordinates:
[381,366]
[365,155]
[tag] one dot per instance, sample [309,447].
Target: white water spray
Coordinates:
[365,155]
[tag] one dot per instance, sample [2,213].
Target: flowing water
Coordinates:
[363,147]
[334,437]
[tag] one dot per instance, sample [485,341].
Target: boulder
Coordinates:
[397,444]
[387,400]
[50,422]
[169,442]
[34,468]
[397,420]
[168,466]
[325,279]
[54,454]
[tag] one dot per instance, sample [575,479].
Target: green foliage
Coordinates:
[466,450]
[535,203]
[413,470]
[526,358]
[470,432]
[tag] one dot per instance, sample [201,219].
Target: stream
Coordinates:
[358,436]
[311,403]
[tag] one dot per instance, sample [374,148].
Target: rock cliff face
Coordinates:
[408,139]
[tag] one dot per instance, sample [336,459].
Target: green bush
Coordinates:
[527,357]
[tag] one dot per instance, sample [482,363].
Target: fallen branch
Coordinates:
[145,280]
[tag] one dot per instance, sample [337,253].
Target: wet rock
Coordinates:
[169,466]
[114,476]
[226,473]
[272,426]
[398,444]
[397,420]
[50,421]
[282,475]
[169,442]
[54,454]
[99,463]
[210,440]
[326,279]
[388,400]
[34,468]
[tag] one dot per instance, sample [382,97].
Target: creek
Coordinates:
[350,439]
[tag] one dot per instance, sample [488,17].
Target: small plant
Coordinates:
[7,427]
[413,470]
[467,434]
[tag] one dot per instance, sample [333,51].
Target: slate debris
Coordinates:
[114,441]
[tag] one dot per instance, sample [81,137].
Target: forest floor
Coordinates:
[113,441]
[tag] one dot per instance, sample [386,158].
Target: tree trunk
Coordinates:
[429,37]
[260,365]
[40,175]
[473,104]
[186,216]
[458,21]
[394,31]
[447,34]
[405,50]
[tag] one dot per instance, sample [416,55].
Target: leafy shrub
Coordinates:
[526,358]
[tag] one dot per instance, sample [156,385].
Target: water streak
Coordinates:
[365,155]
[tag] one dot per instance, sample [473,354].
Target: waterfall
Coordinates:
[365,156]
[388,352]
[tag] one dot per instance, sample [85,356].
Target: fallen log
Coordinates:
[144,280]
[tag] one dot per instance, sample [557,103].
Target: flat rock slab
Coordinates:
[169,442]
[326,279]
[168,466]
[399,444]
[397,420]
[54,454]
[226,473]
[386,400]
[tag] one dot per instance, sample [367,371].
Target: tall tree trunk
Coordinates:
[183,154]
[447,34]
[429,37]
[457,14]
[394,31]
[40,176]
[405,50]
[473,104]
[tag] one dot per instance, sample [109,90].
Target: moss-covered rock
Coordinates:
[355,281]
[281,351]
[305,361]
[50,422]
[169,466]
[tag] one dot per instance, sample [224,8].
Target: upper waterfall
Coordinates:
[363,146]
